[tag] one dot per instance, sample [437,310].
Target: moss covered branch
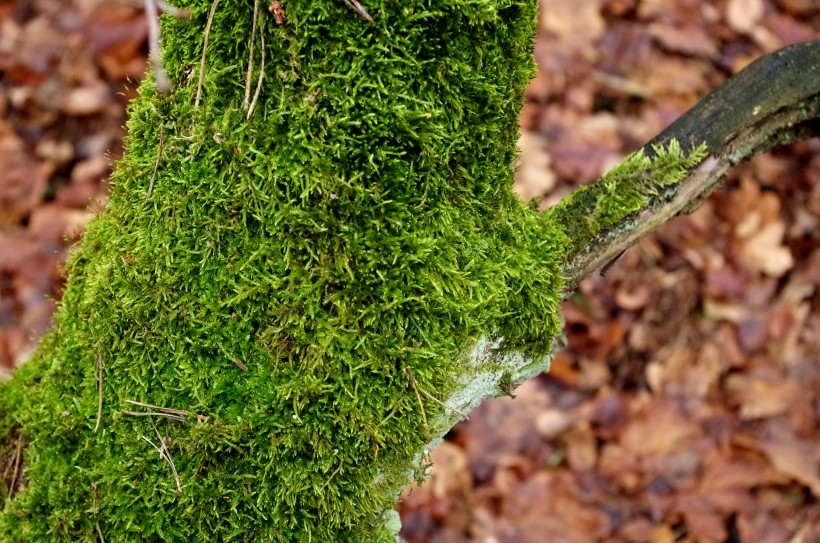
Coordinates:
[774,101]
[247,329]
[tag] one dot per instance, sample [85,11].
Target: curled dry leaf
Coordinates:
[762,398]
[794,456]
[660,428]
[553,422]
[534,177]
[22,181]
[86,100]
[765,251]
[580,21]
[744,15]
[546,507]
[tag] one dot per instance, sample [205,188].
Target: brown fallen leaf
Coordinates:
[581,448]
[764,250]
[580,21]
[22,180]
[659,428]
[760,397]
[546,507]
[87,99]
[503,433]
[692,39]
[744,15]
[534,177]
[797,457]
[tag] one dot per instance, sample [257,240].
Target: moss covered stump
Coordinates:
[245,330]
[311,246]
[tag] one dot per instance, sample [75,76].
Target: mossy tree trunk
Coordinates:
[254,331]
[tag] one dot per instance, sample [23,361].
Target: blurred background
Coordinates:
[687,403]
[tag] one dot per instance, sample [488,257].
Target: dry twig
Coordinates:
[421,404]
[95,510]
[246,102]
[152,414]
[156,164]
[100,388]
[359,9]
[204,51]
[159,408]
[164,453]
[16,462]
[9,465]
[167,412]
[154,52]
[261,76]
[442,404]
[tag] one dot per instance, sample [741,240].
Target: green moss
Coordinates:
[622,192]
[360,221]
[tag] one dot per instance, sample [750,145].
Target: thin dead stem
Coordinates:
[99,392]
[162,449]
[95,499]
[17,460]
[9,465]
[421,403]
[261,76]
[164,453]
[179,13]
[154,52]
[156,164]
[359,9]
[246,102]
[166,412]
[159,408]
[442,404]
[152,414]
[95,510]
[204,51]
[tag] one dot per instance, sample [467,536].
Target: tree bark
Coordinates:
[312,264]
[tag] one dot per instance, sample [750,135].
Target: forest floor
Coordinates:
[686,406]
